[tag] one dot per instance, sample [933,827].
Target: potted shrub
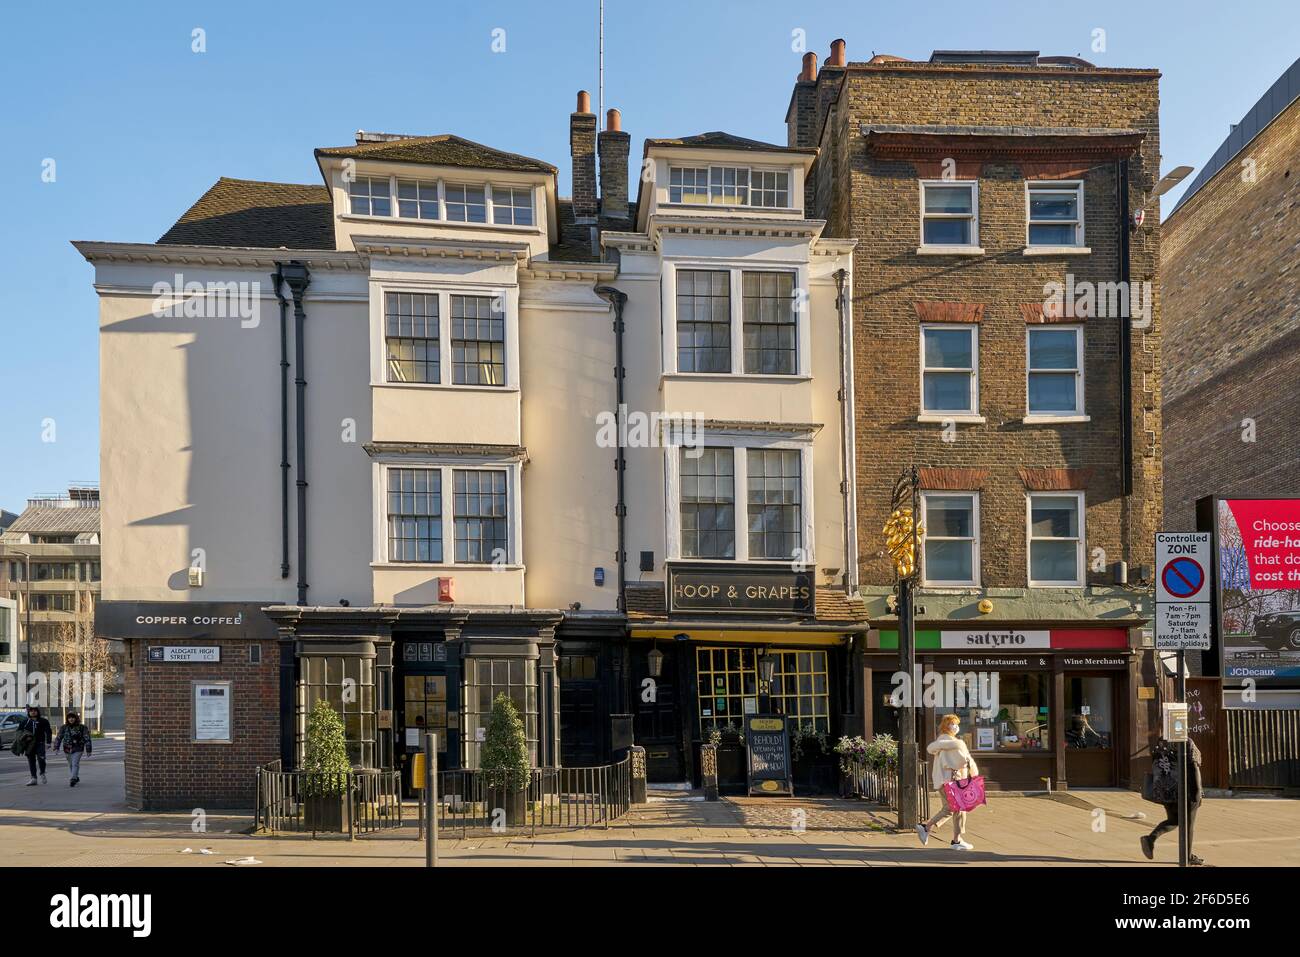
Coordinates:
[504,762]
[326,770]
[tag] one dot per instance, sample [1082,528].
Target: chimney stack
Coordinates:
[809,74]
[614,147]
[582,147]
[838,56]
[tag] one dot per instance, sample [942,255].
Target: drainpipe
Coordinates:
[848,440]
[618,300]
[1125,344]
[296,275]
[277,278]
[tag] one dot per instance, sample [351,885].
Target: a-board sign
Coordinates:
[767,740]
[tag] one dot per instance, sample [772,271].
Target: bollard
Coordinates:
[638,774]
[431,800]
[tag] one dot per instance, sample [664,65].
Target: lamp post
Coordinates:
[903,534]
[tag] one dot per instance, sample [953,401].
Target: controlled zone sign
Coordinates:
[1182,591]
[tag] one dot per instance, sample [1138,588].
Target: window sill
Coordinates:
[1056,584]
[733,208]
[444,567]
[965,418]
[746,376]
[455,223]
[447,387]
[1054,419]
[949,250]
[953,588]
[1057,251]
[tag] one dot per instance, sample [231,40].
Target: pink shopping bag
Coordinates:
[964,795]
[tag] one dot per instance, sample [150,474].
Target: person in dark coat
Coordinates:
[1170,823]
[73,741]
[40,728]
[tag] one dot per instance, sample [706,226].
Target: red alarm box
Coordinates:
[446,589]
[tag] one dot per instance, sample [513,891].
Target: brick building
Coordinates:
[1228,258]
[972,182]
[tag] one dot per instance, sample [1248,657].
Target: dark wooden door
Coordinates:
[656,723]
[580,711]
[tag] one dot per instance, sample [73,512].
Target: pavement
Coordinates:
[91,826]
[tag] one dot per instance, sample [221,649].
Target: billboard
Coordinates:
[1257,549]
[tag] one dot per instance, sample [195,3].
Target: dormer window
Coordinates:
[729,186]
[466,204]
[369,196]
[512,205]
[416,200]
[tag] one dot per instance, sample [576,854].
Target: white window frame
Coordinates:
[974,540]
[1080,548]
[378,332]
[1055,186]
[448,466]
[370,195]
[970,248]
[739,443]
[736,271]
[1078,413]
[709,169]
[442,183]
[972,413]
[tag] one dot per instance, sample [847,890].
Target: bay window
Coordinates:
[414,515]
[703,320]
[771,326]
[708,503]
[478,337]
[775,499]
[411,337]
[479,524]
[480,513]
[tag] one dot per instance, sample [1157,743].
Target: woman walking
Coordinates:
[952,762]
[74,739]
[39,729]
[1170,822]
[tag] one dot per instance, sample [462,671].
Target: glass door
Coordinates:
[1090,725]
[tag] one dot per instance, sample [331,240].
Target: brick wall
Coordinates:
[877,201]
[1230,260]
[164,768]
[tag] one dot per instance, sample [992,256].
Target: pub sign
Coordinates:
[775,590]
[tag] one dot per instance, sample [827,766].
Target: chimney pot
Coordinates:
[613,120]
[584,102]
[838,57]
[809,67]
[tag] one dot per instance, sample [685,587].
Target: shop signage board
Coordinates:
[778,590]
[185,654]
[995,640]
[1183,591]
[767,739]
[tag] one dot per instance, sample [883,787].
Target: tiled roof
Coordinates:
[57,520]
[442,150]
[647,600]
[727,141]
[242,212]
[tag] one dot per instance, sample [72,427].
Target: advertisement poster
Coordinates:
[1259,590]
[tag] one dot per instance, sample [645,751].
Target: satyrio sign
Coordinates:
[1256,587]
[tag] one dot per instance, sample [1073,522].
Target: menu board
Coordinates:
[768,741]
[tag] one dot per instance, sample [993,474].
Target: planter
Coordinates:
[733,772]
[513,803]
[326,812]
[816,773]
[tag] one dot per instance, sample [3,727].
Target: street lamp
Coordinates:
[656,661]
[766,670]
[903,532]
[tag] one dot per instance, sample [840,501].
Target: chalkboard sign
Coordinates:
[768,742]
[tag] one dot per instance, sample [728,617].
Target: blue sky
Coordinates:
[139,125]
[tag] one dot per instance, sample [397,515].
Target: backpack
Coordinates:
[1161,783]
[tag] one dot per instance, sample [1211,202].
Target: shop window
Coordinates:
[485,678]
[727,679]
[708,503]
[1089,712]
[347,682]
[1014,717]
[801,689]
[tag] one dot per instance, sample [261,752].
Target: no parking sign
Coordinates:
[1183,591]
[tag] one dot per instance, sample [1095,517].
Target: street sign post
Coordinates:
[1182,623]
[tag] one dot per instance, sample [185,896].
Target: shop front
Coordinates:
[1039,707]
[715,646]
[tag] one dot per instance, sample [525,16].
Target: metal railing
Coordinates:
[1263,748]
[360,801]
[555,798]
[879,784]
